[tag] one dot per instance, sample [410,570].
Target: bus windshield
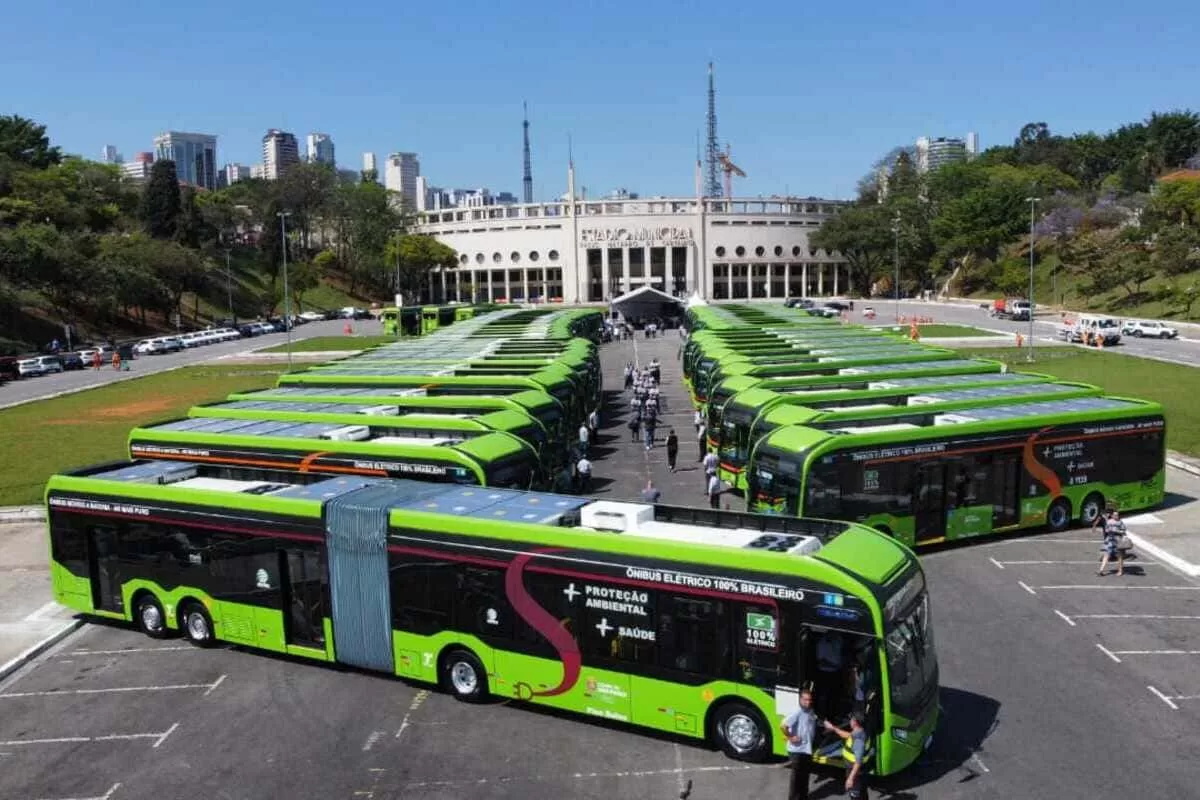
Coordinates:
[773,484]
[912,663]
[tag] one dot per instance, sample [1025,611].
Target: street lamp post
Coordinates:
[287,304]
[229,286]
[1033,201]
[896,260]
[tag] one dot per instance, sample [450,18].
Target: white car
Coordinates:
[311,316]
[1153,329]
[42,365]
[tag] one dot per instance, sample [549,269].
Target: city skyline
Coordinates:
[812,125]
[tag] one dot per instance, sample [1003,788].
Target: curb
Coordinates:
[1180,464]
[1186,567]
[22,514]
[12,665]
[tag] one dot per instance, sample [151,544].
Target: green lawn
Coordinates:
[323,343]
[1175,386]
[39,439]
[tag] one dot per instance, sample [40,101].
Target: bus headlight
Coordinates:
[900,735]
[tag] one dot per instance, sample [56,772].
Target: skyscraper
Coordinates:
[935,153]
[235,172]
[139,169]
[280,153]
[401,176]
[320,149]
[369,163]
[109,154]
[194,154]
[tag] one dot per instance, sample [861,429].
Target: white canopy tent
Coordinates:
[647,304]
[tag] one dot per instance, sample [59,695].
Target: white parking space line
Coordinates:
[1163,697]
[110,737]
[579,776]
[997,563]
[1128,587]
[174,649]
[215,684]
[1108,652]
[1137,616]
[120,689]
[1068,620]
[1156,652]
[1027,587]
[106,796]
[1131,562]
[41,612]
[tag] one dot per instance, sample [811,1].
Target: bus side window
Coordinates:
[551,593]
[760,659]
[423,592]
[690,635]
[69,540]
[482,607]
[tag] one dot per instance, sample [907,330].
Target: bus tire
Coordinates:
[1091,508]
[149,616]
[740,731]
[464,676]
[1058,516]
[196,624]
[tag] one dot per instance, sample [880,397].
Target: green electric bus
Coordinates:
[753,414]
[846,380]
[274,446]
[554,383]
[705,358]
[971,472]
[826,365]
[693,622]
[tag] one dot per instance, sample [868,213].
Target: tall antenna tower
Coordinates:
[527,180]
[712,176]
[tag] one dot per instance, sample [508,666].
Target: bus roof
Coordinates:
[763,543]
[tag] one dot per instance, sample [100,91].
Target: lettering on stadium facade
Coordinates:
[620,236]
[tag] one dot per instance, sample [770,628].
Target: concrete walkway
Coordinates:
[30,620]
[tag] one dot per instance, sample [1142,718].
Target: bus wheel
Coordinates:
[1093,507]
[741,732]
[149,615]
[463,674]
[1058,517]
[197,624]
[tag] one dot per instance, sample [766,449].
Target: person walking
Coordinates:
[799,728]
[593,423]
[629,376]
[655,370]
[672,448]
[648,428]
[710,464]
[1114,533]
[96,361]
[701,435]
[583,472]
[584,438]
[116,360]
[714,491]
[855,753]
[651,494]
[697,419]
[635,425]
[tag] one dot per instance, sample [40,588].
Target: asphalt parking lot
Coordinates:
[1055,683]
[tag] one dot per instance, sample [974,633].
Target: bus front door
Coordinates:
[303,597]
[929,503]
[105,568]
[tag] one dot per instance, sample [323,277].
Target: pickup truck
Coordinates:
[1087,327]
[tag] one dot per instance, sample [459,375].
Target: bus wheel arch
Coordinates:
[1091,508]
[148,614]
[196,623]
[739,730]
[462,674]
[1058,515]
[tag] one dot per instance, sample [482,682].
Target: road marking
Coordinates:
[130,650]
[106,796]
[1138,616]
[371,740]
[164,736]
[644,773]
[1068,620]
[117,689]
[1003,564]
[416,703]
[1027,587]
[41,612]
[997,563]
[1157,652]
[1125,587]
[215,684]
[1108,652]
[1163,697]
[979,762]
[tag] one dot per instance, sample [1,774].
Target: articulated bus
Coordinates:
[558,386]
[273,446]
[694,622]
[846,380]
[826,365]
[971,472]
[889,407]
[389,420]
[542,407]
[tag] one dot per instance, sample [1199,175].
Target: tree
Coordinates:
[1175,202]
[1183,297]
[1177,250]
[417,256]
[863,235]
[161,203]
[24,142]
[303,276]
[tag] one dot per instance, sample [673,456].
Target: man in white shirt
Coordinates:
[799,728]
[583,470]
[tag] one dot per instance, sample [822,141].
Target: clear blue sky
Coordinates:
[808,94]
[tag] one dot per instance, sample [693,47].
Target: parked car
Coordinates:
[8,369]
[798,302]
[70,361]
[310,316]
[1152,328]
[39,365]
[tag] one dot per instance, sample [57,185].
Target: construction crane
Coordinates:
[730,169]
